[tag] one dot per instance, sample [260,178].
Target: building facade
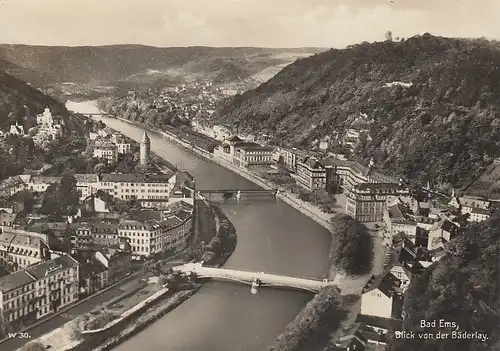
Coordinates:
[20,249]
[138,186]
[311,174]
[366,202]
[40,290]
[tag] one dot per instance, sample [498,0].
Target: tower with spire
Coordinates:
[145,149]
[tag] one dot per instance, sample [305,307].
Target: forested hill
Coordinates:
[142,64]
[15,94]
[431,104]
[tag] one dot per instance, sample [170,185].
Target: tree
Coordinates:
[352,245]
[388,36]
[63,198]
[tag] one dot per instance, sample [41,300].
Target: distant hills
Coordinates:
[141,64]
[15,94]
[431,105]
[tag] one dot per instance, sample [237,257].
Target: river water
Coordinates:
[272,237]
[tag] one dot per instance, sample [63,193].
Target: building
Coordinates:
[465,204]
[140,186]
[220,132]
[441,232]
[40,184]
[385,301]
[20,249]
[93,273]
[145,149]
[350,338]
[29,295]
[105,151]
[478,215]
[94,235]
[249,154]
[122,143]
[45,119]
[144,237]
[117,261]
[311,174]
[16,129]
[291,157]
[86,184]
[348,174]
[366,202]
[244,154]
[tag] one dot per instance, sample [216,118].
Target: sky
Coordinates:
[261,23]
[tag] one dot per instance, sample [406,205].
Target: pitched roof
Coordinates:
[15,280]
[135,178]
[43,269]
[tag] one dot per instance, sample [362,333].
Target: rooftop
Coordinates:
[57,264]
[86,178]
[135,178]
[15,280]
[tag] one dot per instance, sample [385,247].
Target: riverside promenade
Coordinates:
[305,208]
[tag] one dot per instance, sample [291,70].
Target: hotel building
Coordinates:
[42,289]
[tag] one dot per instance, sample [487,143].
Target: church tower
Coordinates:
[145,149]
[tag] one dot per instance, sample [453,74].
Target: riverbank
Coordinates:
[305,208]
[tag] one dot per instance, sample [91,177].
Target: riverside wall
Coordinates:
[305,208]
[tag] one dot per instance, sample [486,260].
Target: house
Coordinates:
[311,174]
[350,338]
[16,129]
[117,261]
[106,151]
[93,273]
[98,202]
[43,288]
[7,220]
[291,157]
[465,204]
[441,232]
[385,301]
[478,215]
[86,184]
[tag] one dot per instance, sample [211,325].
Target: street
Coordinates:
[129,284]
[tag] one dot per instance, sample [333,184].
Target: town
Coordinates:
[119,218]
[64,239]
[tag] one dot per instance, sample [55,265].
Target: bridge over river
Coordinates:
[255,279]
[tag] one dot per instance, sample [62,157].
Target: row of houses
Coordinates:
[147,232]
[138,185]
[39,290]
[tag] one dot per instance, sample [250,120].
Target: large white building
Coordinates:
[46,124]
[29,295]
[136,185]
[20,249]
[385,301]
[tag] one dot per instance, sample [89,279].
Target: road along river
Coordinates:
[272,237]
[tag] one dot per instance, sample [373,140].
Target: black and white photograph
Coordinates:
[249,175]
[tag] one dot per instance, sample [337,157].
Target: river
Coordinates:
[272,237]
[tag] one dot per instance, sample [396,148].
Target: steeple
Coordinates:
[145,149]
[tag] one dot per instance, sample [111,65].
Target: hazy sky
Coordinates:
[266,23]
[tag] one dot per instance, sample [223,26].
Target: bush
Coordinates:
[352,245]
[89,321]
[33,346]
[312,327]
